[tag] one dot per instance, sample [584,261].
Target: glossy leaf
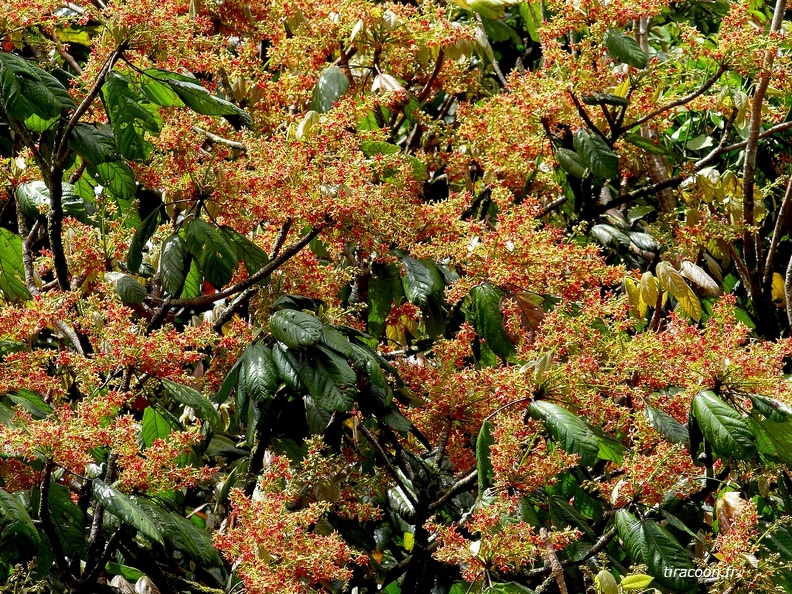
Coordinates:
[595,154]
[188,396]
[173,261]
[295,328]
[723,427]
[575,436]
[625,49]
[215,259]
[125,509]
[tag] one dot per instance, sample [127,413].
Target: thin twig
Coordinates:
[220,140]
[777,230]
[261,274]
[391,470]
[682,100]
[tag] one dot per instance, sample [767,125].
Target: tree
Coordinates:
[362,296]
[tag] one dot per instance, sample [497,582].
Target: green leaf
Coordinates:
[779,438]
[31,402]
[288,362]
[12,271]
[139,239]
[330,87]
[155,426]
[393,418]
[128,288]
[67,519]
[34,200]
[258,376]
[295,328]
[117,178]
[130,573]
[192,284]
[723,427]
[488,320]
[173,261]
[772,409]
[666,425]
[215,259]
[329,379]
[93,146]
[575,436]
[157,91]
[181,534]
[571,163]
[125,509]
[531,13]
[596,154]
[625,49]
[483,462]
[195,400]
[649,544]
[645,144]
[16,519]
[27,90]
[381,297]
[197,98]
[378,147]
[317,418]
[131,116]
[246,251]
[422,280]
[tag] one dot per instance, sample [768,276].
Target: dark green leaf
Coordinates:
[117,178]
[422,279]
[488,320]
[571,163]
[125,509]
[318,418]
[131,116]
[596,154]
[772,409]
[141,237]
[288,363]
[394,419]
[723,427]
[625,49]
[295,328]
[649,544]
[575,436]
[645,144]
[93,146]
[181,534]
[258,376]
[483,462]
[197,98]
[129,289]
[27,90]
[173,262]
[329,379]
[246,251]
[215,259]
[195,400]
[666,425]
[192,284]
[16,519]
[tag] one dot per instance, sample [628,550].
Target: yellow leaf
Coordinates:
[673,282]
[409,541]
[649,286]
[637,305]
[778,293]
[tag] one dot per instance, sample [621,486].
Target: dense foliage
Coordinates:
[368,296]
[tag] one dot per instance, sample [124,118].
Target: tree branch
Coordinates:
[458,487]
[776,237]
[682,100]
[263,273]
